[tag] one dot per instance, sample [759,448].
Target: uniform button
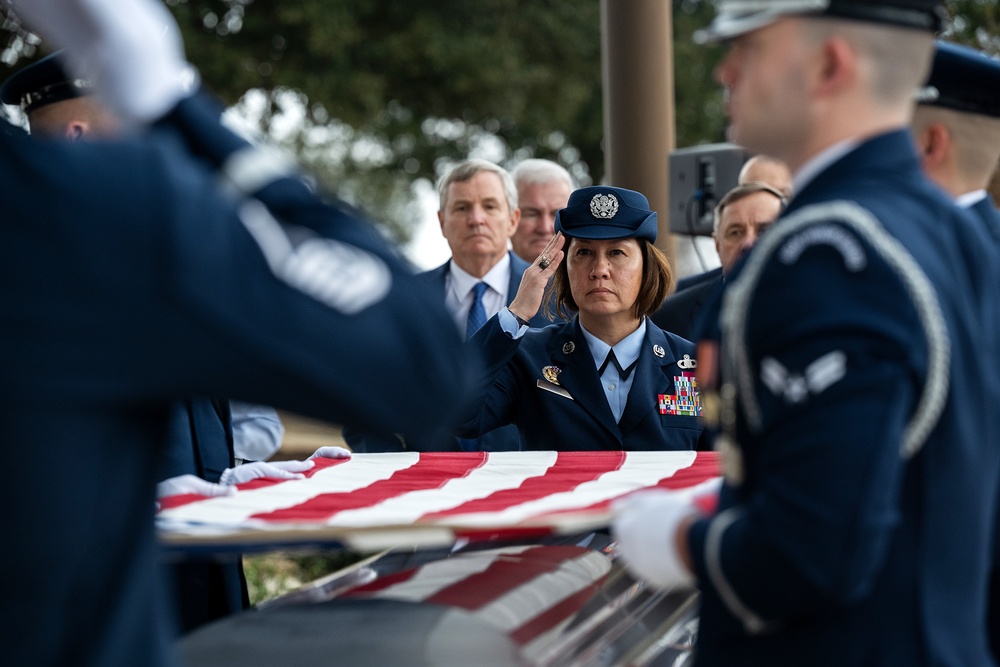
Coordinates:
[611,387]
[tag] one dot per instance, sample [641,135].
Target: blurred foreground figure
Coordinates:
[858,359]
[957,130]
[145,270]
[205,436]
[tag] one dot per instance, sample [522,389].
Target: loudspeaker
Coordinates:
[699,177]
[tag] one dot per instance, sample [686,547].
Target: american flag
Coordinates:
[375,501]
[531,593]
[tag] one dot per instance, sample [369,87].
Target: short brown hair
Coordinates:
[657,281]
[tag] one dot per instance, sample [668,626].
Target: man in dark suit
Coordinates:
[478,215]
[957,129]
[758,169]
[742,215]
[860,341]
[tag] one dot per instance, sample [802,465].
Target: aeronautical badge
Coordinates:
[796,387]
[569,347]
[731,458]
[687,363]
[604,206]
[685,402]
[551,373]
[658,351]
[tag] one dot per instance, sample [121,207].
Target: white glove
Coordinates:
[258,469]
[645,526]
[130,50]
[332,452]
[191,484]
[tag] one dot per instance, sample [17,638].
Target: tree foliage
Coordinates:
[378,94]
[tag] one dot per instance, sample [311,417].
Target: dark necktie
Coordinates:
[477,314]
[623,373]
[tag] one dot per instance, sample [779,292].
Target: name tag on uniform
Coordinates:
[555,389]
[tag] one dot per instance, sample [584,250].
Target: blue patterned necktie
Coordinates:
[477,314]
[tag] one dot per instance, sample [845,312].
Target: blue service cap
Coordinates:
[963,79]
[604,212]
[738,17]
[42,82]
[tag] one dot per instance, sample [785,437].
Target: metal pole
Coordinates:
[638,74]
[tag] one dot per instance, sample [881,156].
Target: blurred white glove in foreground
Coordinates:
[332,452]
[258,469]
[191,484]
[130,50]
[645,526]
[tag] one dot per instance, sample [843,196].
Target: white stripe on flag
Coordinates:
[635,473]
[351,475]
[522,604]
[502,470]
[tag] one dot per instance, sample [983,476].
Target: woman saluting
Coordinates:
[607,379]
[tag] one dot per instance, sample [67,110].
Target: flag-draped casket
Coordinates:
[514,565]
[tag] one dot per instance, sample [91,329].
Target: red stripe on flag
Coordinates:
[703,468]
[570,470]
[504,575]
[433,470]
[555,614]
[319,463]
[179,500]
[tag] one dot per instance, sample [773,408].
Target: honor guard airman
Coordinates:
[140,271]
[859,350]
[957,129]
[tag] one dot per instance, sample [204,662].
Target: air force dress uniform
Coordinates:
[968,82]
[502,439]
[140,280]
[199,433]
[859,340]
[547,382]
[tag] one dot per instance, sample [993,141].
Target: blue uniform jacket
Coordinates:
[860,340]
[682,310]
[546,384]
[503,439]
[200,442]
[131,279]
[991,217]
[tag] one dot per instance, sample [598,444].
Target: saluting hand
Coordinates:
[532,290]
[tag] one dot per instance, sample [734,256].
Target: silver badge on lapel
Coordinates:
[687,363]
[658,351]
[551,374]
[604,206]
[569,347]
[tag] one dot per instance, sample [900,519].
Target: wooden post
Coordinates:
[638,77]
